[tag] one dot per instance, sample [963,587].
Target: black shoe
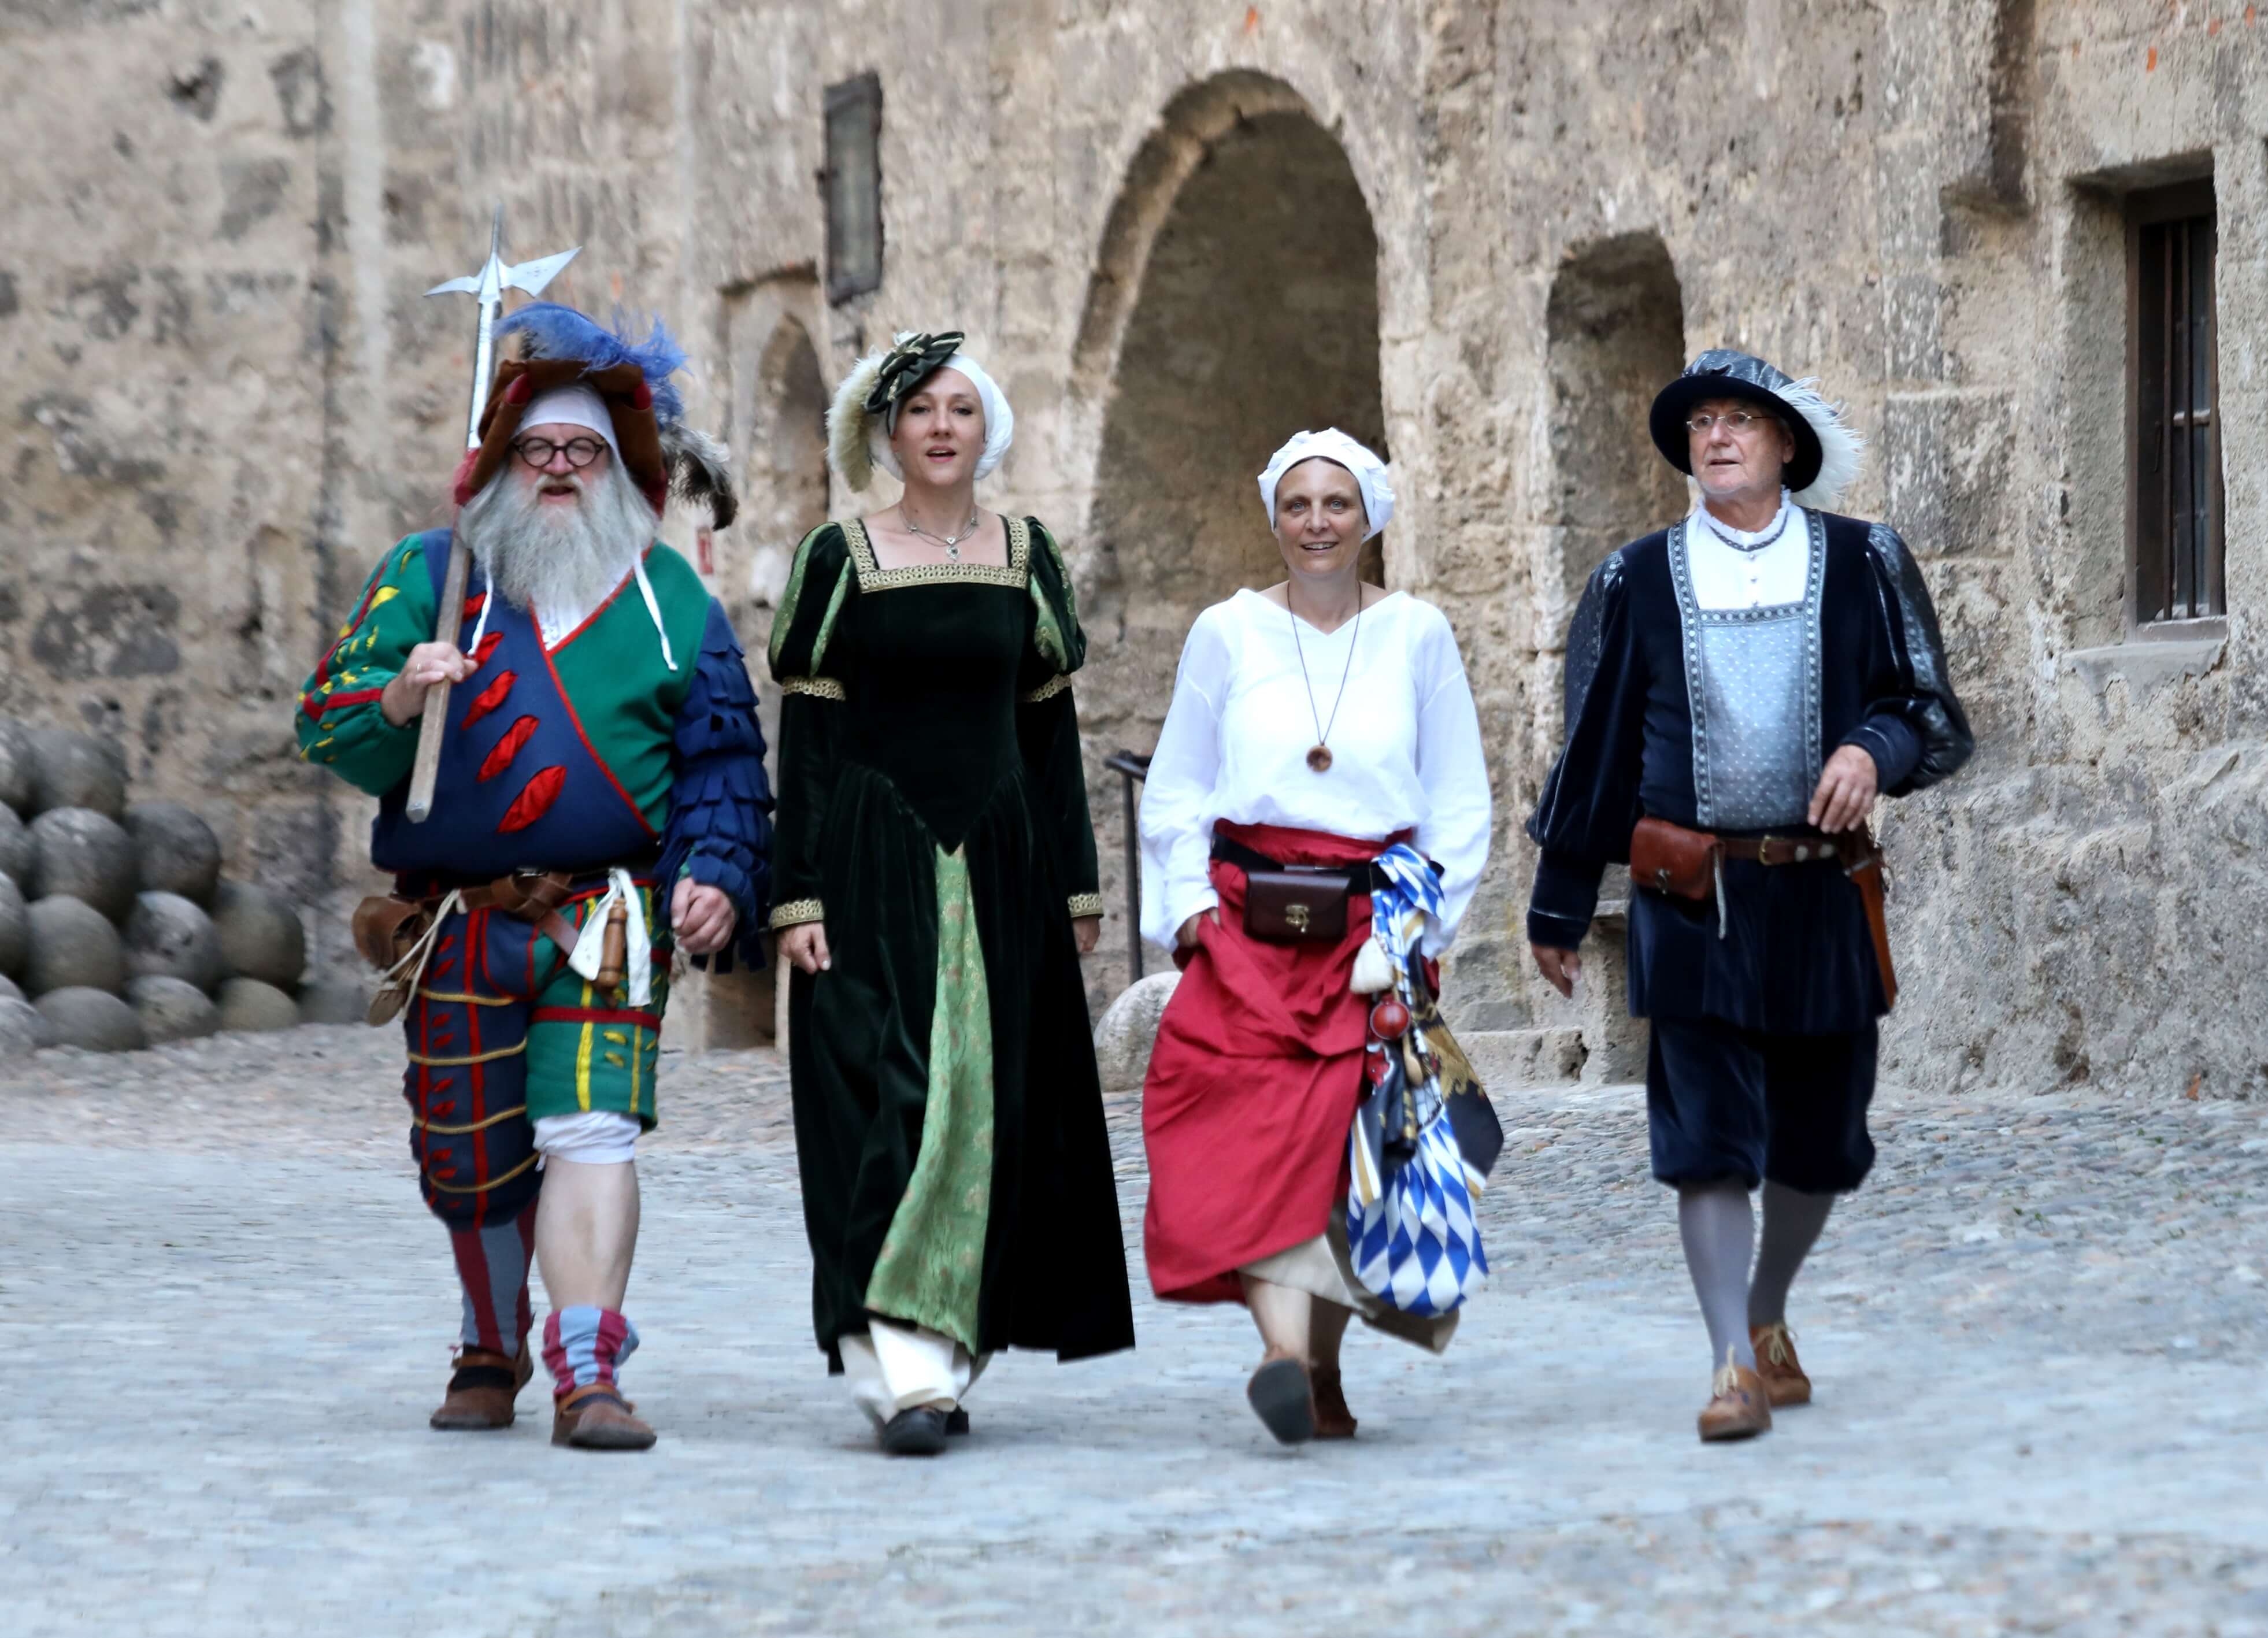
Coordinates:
[918,1432]
[956,1421]
[1279,1395]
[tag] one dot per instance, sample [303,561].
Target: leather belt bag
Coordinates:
[1292,904]
[1689,864]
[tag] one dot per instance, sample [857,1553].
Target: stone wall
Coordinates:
[1177,231]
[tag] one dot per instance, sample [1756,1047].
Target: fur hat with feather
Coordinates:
[632,378]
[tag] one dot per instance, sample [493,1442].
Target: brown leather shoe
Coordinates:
[1775,1362]
[482,1391]
[596,1417]
[1333,1420]
[1738,1408]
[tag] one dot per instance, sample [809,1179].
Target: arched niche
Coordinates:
[1616,332]
[1235,302]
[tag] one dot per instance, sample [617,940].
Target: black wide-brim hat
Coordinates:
[1722,372]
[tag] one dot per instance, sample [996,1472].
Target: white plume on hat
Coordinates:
[1842,447]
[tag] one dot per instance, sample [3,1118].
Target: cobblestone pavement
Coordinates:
[2038,1336]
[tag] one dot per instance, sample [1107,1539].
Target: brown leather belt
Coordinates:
[1849,848]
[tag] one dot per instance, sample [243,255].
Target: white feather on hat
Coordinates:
[1842,447]
[850,424]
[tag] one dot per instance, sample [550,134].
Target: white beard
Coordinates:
[555,561]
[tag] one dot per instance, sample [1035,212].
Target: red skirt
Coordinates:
[1253,1084]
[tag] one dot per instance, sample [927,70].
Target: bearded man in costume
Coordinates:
[601,796]
[1740,687]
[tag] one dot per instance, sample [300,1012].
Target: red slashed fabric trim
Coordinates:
[473,604]
[488,647]
[534,800]
[489,697]
[340,702]
[594,1015]
[507,748]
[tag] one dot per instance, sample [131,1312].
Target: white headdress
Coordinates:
[1370,473]
[864,411]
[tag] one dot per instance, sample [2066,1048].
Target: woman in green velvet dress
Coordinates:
[934,878]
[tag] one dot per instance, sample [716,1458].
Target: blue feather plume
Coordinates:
[555,331]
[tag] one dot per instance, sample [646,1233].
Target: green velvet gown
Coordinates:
[932,814]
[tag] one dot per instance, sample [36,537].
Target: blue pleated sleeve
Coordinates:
[720,827]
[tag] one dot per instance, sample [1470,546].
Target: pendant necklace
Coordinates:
[951,542]
[1319,754]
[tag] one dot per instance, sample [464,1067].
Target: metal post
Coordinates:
[1129,767]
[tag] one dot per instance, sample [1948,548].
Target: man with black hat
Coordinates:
[1740,687]
[601,795]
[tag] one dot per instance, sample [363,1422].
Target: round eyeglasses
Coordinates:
[1737,422]
[538,451]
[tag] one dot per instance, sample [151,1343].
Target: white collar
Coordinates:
[1743,539]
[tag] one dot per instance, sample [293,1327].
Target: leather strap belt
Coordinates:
[535,896]
[1848,849]
[1230,851]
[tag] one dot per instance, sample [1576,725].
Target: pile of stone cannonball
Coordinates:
[116,928]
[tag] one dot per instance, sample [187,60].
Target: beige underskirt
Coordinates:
[1322,1267]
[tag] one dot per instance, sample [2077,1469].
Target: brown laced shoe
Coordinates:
[1333,1420]
[1775,1362]
[1738,1408]
[482,1390]
[596,1417]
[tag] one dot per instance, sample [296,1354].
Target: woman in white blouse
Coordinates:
[1315,723]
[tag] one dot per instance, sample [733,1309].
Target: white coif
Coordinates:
[1406,751]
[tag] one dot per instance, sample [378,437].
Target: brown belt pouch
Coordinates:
[385,929]
[1296,906]
[1671,859]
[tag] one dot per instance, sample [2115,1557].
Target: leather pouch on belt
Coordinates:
[1671,859]
[386,930]
[1296,906]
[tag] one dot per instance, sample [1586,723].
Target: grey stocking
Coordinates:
[1792,1221]
[1720,1232]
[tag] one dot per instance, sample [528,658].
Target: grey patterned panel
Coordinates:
[1752,677]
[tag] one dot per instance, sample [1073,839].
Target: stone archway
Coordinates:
[1615,328]
[1235,303]
[775,422]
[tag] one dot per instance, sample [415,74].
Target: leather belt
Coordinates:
[1796,850]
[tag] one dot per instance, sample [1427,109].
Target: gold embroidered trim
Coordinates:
[438,1187]
[1086,904]
[478,1058]
[796,911]
[874,578]
[818,687]
[478,1125]
[1049,689]
[469,1001]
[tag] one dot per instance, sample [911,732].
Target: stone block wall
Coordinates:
[1177,231]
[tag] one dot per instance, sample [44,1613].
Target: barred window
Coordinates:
[2177,493]
[852,185]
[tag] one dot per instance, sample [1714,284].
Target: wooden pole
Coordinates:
[434,722]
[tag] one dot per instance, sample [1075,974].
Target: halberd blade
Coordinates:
[531,277]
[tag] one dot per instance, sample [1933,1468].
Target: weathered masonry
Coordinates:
[2024,241]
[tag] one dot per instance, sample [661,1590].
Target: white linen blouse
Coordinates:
[1405,749]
